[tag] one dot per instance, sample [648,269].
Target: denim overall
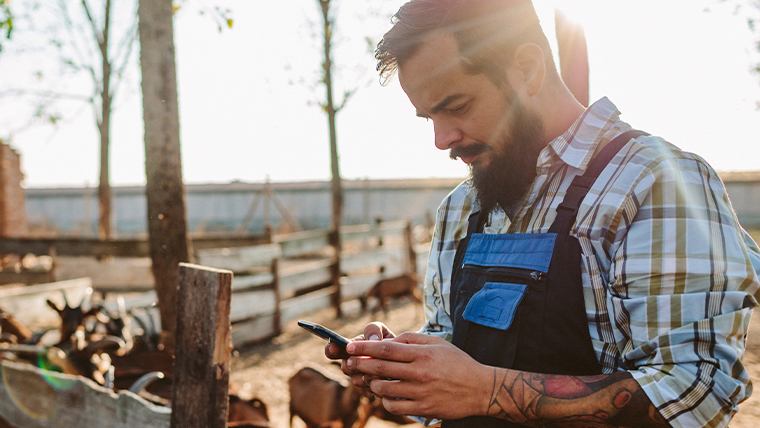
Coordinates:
[517,299]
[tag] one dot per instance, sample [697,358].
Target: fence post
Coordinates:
[335,272]
[202,349]
[277,319]
[409,241]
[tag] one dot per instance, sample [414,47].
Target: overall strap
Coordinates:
[568,209]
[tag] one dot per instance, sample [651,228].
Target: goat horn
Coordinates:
[86,298]
[144,381]
[122,307]
[107,340]
[109,377]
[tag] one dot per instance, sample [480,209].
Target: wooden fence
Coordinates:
[278,282]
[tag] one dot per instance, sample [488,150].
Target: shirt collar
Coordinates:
[577,145]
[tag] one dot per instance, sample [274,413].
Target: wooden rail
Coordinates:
[36,398]
[112,247]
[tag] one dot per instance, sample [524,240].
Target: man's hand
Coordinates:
[421,375]
[372,331]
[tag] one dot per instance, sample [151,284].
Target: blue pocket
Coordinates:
[495,304]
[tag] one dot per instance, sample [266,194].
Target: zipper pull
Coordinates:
[537,275]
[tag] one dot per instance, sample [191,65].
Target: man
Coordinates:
[586,275]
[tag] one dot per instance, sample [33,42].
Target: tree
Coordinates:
[165,190]
[93,38]
[109,67]
[336,186]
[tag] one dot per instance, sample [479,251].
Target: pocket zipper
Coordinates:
[510,272]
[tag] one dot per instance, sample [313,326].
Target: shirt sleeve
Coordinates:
[681,290]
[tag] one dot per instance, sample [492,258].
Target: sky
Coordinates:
[249,97]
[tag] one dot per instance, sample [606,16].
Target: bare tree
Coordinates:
[167,219]
[109,67]
[94,38]
[336,186]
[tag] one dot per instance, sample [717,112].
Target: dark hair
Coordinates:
[487,31]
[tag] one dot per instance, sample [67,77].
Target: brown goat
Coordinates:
[402,285]
[251,412]
[374,407]
[320,400]
[10,325]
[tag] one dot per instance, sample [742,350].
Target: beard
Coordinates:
[511,169]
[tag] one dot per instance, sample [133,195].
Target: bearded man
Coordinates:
[587,274]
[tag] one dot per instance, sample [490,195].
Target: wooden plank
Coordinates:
[112,247]
[295,307]
[253,330]
[251,281]
[300,243]
[36,398]
[249,304]
[305,275]
[27,303]
[113,274]
[24,276]
[241,259]
[364,231]
[372,257]
[203,346]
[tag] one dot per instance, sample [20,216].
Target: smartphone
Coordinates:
[324,333]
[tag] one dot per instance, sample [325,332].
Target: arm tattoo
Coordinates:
[536,399]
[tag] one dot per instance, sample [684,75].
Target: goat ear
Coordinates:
[53,305]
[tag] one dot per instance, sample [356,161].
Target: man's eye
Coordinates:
[458,109]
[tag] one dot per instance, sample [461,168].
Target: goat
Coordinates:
[402,285]
[71,317]
[13,329]
[253,411]
[151,370]
[86,353]
[319,400]
[374,407]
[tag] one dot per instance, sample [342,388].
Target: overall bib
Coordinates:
[517,299]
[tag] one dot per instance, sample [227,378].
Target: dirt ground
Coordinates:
[263,370]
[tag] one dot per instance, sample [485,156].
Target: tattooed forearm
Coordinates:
[603,400]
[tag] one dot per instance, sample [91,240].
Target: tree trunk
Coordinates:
[104,127]
[167,220]
[336,185]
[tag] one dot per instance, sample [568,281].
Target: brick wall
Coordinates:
[12,196]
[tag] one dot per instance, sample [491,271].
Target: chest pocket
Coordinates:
[495,304]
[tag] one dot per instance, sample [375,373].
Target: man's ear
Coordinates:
[528,67]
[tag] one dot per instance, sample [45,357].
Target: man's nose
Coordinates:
[446,135]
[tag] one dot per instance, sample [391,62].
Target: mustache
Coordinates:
[469,150]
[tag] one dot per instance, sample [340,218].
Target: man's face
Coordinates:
[484,125]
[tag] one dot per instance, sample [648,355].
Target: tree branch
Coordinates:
[43,94]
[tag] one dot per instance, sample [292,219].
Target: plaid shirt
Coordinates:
[668,274]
